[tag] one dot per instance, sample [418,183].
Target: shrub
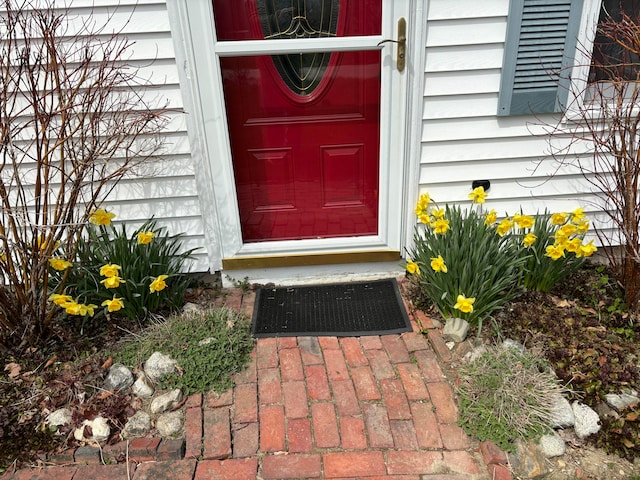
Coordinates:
[506,395]
[133,275]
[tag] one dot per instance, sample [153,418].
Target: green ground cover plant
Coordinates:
[209,346]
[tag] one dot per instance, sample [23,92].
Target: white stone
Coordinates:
[166,401]
[138,425]
[170,424]
[475,354]
[141,388]
[561,413]
[455,330]
[158,366]
[190,308]
[119,378]
[621,401]
[60,417]
[552,445]
[509,343]
[99,427]
[587,420]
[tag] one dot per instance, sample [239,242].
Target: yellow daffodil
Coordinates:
[438,213]
[578,215]
[110,270]
[412,267]
[558,218]
[490,218]
[158,284]
[568,229]
[85,310]
[529,239]
[523,221]
[478,195]
[555,251]
[43,244]
[438,265]
[441,226]
[113,305]
[573,245]
[72,308]
[504,226]
[422,204]
[583,226]
[145,237]
[112,282]
[59,264]
[586,250]
[425,219]
[60,300]
[464,304]
[101,217]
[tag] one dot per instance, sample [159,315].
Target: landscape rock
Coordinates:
[99,428]
[119,378]
[166,401]
[60,417]
[170,424]
[552,445]
[587,420]
[621,401]
[138,425]
[509,343]
[190,308]
[605,411]
[141,388]
[528,461]
[455,330]
[474,354]
[561,413]
[158,366]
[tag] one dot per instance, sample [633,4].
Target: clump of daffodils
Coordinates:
[110,273]
[468,261]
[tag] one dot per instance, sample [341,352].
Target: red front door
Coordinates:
[304,128]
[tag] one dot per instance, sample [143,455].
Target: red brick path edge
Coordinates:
[310,407]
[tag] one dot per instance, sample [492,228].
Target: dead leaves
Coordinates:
[14,369]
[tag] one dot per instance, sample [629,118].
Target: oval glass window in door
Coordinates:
[292,19]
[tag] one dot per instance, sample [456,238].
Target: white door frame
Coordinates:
[197,52]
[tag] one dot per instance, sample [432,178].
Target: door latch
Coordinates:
[401,42]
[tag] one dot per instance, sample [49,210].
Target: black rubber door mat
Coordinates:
[345,309]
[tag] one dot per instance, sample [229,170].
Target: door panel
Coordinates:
[304,128]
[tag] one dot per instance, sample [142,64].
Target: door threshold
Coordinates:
[312,271]
[301,260]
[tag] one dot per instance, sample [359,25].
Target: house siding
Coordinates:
[165,186]
[463,139]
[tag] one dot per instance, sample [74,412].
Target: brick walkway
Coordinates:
[319,407]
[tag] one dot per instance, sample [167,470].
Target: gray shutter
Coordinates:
[539,53]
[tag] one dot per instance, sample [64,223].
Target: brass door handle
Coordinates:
[401,42]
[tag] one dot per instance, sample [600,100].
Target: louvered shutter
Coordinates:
[539,53]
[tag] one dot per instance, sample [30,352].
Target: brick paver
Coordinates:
[315,407]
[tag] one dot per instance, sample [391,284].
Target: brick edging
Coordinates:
[496,461]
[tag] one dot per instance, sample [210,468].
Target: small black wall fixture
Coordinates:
[486,184]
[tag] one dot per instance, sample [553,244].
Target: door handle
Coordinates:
[401,42]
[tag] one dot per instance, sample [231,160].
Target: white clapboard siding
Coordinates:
[163,187]
[463,139]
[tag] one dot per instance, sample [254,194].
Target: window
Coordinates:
[618,24]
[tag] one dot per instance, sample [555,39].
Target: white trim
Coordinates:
[334,44]
[201,80]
